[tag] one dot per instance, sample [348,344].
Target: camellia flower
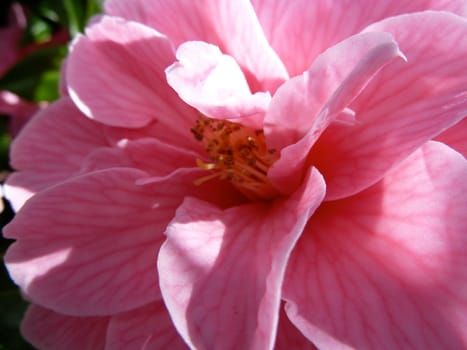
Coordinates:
[236,175]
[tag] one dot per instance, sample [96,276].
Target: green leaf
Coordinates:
[78,13]
[93,7]
[75,15]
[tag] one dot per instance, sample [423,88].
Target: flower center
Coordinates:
[236,153]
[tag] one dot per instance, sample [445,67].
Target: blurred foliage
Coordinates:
[5,140]
[35,78]
[71,14]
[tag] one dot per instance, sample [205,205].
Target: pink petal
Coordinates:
[148,154]
[105,158]
[304,106]
[50,149]
[184,142]
[456,137]
[148,327]
[19,110]
[88,246]
[301,30]
[56,140]
[385,269]
[221,271]
[213,83]
[230,25]
[158,158]
[331,83]
[48,330]
[9,47]
[405,105]
[289,337]
[116,76]
[20,186]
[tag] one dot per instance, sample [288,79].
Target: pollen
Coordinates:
[237,154]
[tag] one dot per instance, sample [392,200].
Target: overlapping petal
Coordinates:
[96,249]
[320,96]
[231,25]
[214,84]
[56,140]
[116,76]
[148,327]
[385,269]
[301,30]
[51,149]
[99,247]
[221,271]
[49,330]
[405,105]
[456,137]
[333,81]
[157,158]
[379,265]
[289,337]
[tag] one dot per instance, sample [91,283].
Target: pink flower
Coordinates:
[11,52]
[19,109]
[10,38]
[275,160]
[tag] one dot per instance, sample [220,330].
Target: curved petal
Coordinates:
[305,106]
[88,246]
[230,25]
[20,186]
[148,154]
[301,30]
[223,269]
[331,83]
[289,337]
[157,158]
[46,329]
[185,142]
[56,140]
[456,137]
[148,327]
[116,76]
[105,158]
[50,149]
[213,83]
[405,105]
[385,269]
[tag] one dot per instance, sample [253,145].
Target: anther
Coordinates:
[237,154]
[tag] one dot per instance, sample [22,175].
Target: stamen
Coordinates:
[236,153]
